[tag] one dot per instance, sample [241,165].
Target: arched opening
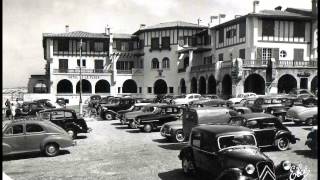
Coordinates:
[212,85]
[254,83]
[183,86]
[286,83]
[86,86]
[227,86]
[165,63]
[64,86]
[194,87]
[102,86]
[129,86]
[202,85]
[155,63]
[40,87]
[160,87]
[314,84]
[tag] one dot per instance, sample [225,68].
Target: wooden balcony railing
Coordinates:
[203,67]
[69,53]
[82,71]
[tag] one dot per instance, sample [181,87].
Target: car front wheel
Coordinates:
[108,116]
[179,136]
[188,167]
[51,149]
[282,143]
[147,128]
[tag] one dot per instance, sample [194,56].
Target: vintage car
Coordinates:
[162,114]
[20,136]
[103,101]
[236,100]
[110,111]
[62,102]
[94,100]
[173,131]
[229,153]
[205,115]
[302,114]
[129,118]
[186,99]
[66,119]
[208,102]
[28,109]
[210,96]
[268,129]
[312,139]
[133,108]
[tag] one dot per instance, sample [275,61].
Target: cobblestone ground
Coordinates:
[111,151]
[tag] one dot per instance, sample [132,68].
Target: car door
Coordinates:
[57,117]
[208,149]
[195,144]
[35,134]
[13,138]
[264,131]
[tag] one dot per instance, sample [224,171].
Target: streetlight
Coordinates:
[80,92]
[255,3]
[221,16]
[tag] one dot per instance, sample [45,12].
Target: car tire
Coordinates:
[188,167]
[72,132]
[147,128]
[309,121]
[132,125]
[282,143]
[51,149]
[108,116]
[179,136]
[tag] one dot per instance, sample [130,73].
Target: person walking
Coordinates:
[8,108]
[13,110]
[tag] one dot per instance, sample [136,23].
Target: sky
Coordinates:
[24,21]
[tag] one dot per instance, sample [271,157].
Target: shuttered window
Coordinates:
[298,54]
[299,29]
[155,43]
[221,35]
[221,57]
[267,27]
[242,53]
[242,29]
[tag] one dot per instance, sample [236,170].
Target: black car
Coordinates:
[62,102]
[312,139]
[28,109]
[67,119]
[94,100]
[110,111]
[268,129]
[102,102]
[229,153]
[133,108]
[163,114]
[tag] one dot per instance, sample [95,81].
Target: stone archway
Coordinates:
[227,86]
[86,86]
[202,85]
[212,85]
[64,86]
[254,83]
[314,84]
[194,87]
[160,87]
[129,86]
[286,83]
[183,88]
[102,86]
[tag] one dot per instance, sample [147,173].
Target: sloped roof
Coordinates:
[170,25]
[123,36]
[76,34]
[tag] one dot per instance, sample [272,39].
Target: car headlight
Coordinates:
[249,169]
[286,165]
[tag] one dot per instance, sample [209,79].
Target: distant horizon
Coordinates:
[24,21]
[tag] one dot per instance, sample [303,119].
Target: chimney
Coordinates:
[107,30]
[255,3]
[142,26]
[278,8]
[67,28]
[314,7]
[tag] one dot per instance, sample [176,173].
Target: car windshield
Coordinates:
[95,98]
[44,116]
[147,109]
[236,140]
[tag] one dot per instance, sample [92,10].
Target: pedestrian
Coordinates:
[8,108]
[13,110]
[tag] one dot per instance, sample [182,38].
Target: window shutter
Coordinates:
[259,53]
[298,54]
[275,53]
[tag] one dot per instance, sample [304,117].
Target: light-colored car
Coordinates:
[186,99]
[302,114]
[242,96]
[20,136]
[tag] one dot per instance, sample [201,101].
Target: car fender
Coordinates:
[6,148]
[231,173]
[73,124]
[291,137]
[110,112]
[58,139]
[186,153]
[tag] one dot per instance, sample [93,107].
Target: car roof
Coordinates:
[257,116]
[217,130]
[58,109]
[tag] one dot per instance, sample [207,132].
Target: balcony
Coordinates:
[69,53]
[182,70]
[74,71]
[204,67]
[133,71]
[281,64]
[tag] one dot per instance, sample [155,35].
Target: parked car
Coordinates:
[208,102]
[186,99]
[133,108]
[163,114]
[236,100]
[312,139]
[173,131]
[103,101]
[110,111]
[20,136]
[129,118]
[205,115]
[230,152]
[268,130]
[62,102]
[66,119]
[210,96]
[28,109]
[302,114]
[94,100]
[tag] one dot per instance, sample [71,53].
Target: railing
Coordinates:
[82,71]
[68,53]
[130,71]
[203,67]
[280,63]
[252,63]
[182,70]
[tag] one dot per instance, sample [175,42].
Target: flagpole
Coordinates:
[80,92]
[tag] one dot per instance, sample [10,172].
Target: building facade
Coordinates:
[272,51]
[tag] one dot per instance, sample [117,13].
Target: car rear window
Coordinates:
[31,128]
[15,129]
[236,140]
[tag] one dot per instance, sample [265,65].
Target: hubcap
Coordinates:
[283,143]
[108,116]
[180,136]
[147,127]
[51,149]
